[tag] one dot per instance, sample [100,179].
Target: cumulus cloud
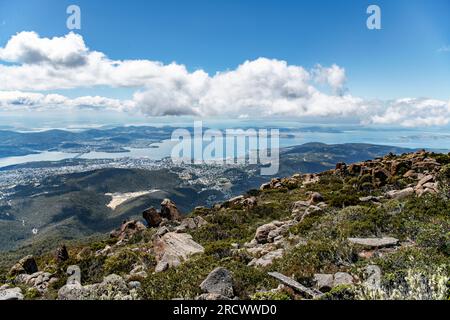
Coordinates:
[258,88]
[28,48]
[17,100]
[413,112]
[334,76]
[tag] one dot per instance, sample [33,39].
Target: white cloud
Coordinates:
[29,48]
[414,112]
[258,88]
[17,100]
[334,76]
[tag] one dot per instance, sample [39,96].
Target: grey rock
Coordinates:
[324,282]
[375,242]
[25,265]
[267,259]
[342,278]
[11,294]
[212,296]
[262,233]
[219,281]
[73,291]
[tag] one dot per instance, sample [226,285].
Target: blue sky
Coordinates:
[402,59]
[321,62]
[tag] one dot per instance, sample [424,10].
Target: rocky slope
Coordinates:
[377,229]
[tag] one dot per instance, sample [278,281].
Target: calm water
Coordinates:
[401,138]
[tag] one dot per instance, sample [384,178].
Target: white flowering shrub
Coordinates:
[417,285]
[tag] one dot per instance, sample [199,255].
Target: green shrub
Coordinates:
[269,295]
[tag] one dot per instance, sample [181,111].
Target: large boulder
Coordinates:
[169,210]
[62,254]
[152,217]
[219,281]
[25,265]
[173,248]
[11,294]
[262,232]
[39,280]
[400,194]
[128,230]
[381,176]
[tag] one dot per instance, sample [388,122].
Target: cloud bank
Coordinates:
[259,88]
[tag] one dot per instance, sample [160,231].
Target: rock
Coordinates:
[299,206]
[324,282]
[267,259]
[315,198]
[295,285]
[400,165]
[169,210]
[341,166]
[128,230]
[250,202]
[191,224]
[11,294]
[370,199]
[354,169]
[375,242]
[73,291]
[235,200]
[39,280]
[134,285]
[373,277]
[424,180]
[265,186]
[381,176]
[113,287]
[74,274]
[152,217]
[211,296]
[342,278]
[310,178]
[107,250]
[173,248]
[219,281]
[162,231]
[62,254]
[400,194]
[25,265]
[262,233]
[410,174]
[138,272]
